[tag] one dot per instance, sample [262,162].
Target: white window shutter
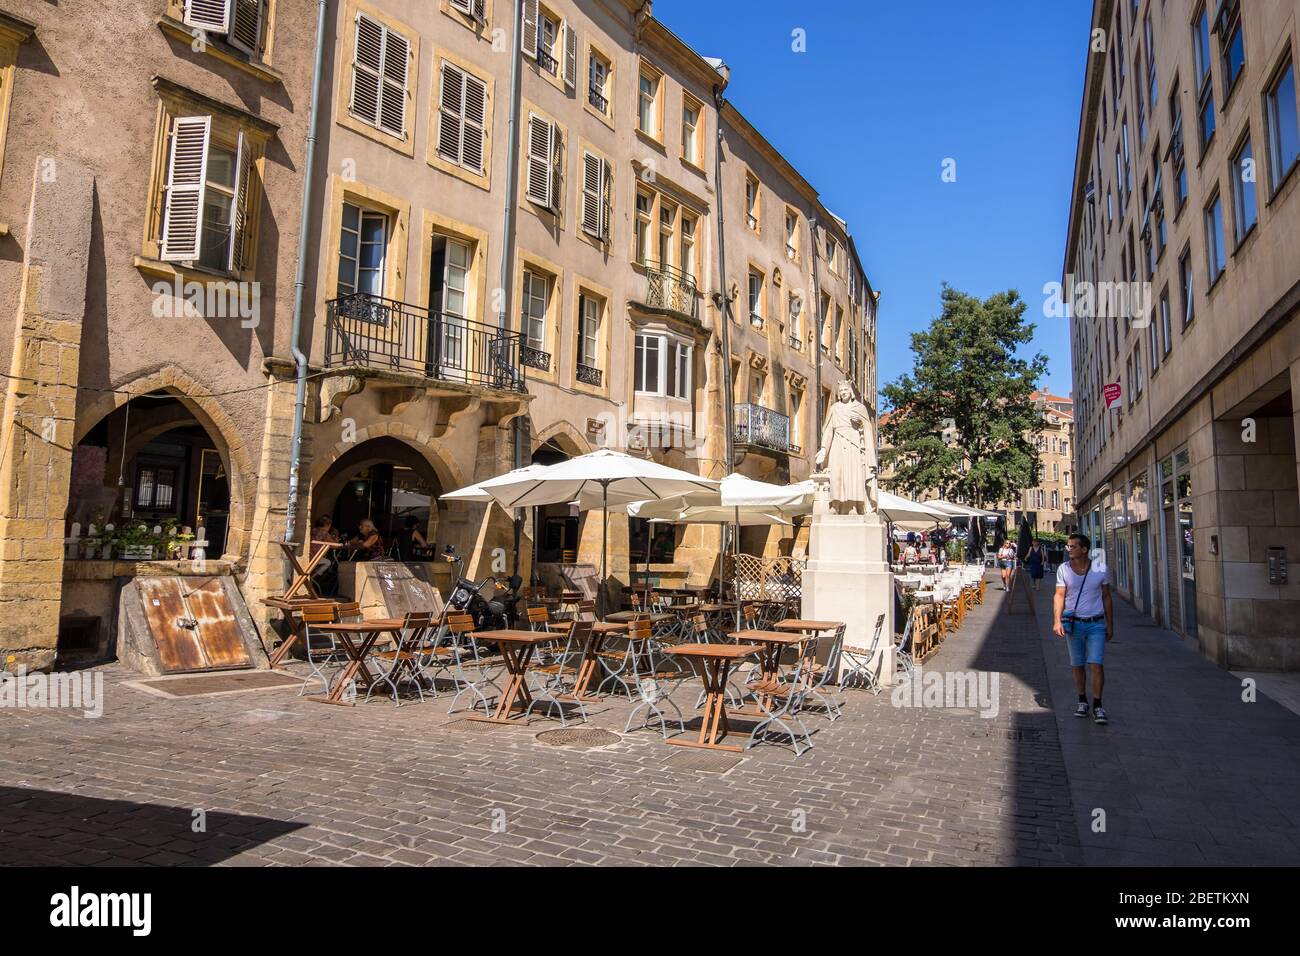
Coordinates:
[212,16]
[239,215]
[591,193]
[464,6]
[570,55]
[392,102]
[528,35]
[187,172]
[450,121]
[539,160]
[246,25]
[475,129]
[480,11]
[366,65]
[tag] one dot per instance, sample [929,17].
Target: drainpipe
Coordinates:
[728,406]
[508,241]
[299,281]
[817,345]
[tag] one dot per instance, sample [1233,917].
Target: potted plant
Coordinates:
[136,542]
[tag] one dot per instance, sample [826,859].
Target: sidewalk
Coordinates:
[1186,772]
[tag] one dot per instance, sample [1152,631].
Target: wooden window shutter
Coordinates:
[366,64]
[607,200]
[464,6]
[450,120]
[208,15]
[528,35]
[392,102]
[570,55]
[592,189]
[475,129]
[240,214]
[187,172]
[480,11]
[246,26]
[557,167]
[539,160]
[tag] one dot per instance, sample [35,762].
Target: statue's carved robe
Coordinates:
[846,459]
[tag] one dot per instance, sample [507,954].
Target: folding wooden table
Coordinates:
[517,649]
[717,659]
[769,658]
[302,575]
[369,633]
[290,609]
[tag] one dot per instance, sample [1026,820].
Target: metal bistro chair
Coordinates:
[323,648]
[552,680]
[820,677]
[406,661]
[725,633]
[657,683]
[781,701]
[562,660]
[469,657]
[858,663]
[622,666]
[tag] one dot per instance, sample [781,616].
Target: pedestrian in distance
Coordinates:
[1007,562]
[1083,615]
[1035,561]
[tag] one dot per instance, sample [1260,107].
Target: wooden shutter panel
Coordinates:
[475,116]
[592,187]
[392,102]
[539,160]
[246,26]
[187,171]
[480,11]
[239,215]
[464,6]
[450,124]
[607,199]
[557,168]
[366,65]
[570,55]
[209,15]
[528,35]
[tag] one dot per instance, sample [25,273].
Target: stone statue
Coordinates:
[848,454]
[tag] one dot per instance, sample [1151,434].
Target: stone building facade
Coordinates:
[1185,201]
[150,271]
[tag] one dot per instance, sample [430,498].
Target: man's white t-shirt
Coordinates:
[1090,601]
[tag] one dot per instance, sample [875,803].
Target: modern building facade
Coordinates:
[445,341]
[1185,193]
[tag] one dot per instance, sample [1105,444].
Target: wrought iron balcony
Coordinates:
[756,425]
[545,60]
[597,99]
[364,329]
[589,375]
[671,290]
[536,358]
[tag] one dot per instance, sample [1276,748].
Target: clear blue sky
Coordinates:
[884,93]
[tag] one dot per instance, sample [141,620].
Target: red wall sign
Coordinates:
[1111,393]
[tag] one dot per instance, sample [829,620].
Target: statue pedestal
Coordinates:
[847,579]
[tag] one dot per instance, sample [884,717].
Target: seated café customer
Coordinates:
[368,545]
[410,538]
[910,555]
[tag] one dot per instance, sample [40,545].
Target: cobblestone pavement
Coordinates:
[281,780]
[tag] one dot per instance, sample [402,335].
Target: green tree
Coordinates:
[964,421]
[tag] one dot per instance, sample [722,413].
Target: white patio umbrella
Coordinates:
[899,510]
[615,477]
[482,493]
[961,511]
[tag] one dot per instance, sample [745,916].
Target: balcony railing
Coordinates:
[756,425]
[545,60]
[589,375]
[597,99]
[668,288]
[364,329]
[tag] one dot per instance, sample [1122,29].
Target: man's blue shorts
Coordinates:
[1087,641]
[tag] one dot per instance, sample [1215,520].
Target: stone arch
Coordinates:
[449,473]
[208,412]
[563,435]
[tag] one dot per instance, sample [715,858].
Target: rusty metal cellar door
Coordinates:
[193,624]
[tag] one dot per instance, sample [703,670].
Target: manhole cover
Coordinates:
[703,760]
[475,726]
[581,737]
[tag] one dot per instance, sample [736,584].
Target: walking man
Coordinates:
[1082,614]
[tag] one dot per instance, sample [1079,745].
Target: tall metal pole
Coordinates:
[724,323]
[508,244]
[300,282]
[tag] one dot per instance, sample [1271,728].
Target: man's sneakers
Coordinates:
[1098,714]
[1081,710]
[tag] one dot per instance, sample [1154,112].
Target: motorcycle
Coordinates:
[495,611]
